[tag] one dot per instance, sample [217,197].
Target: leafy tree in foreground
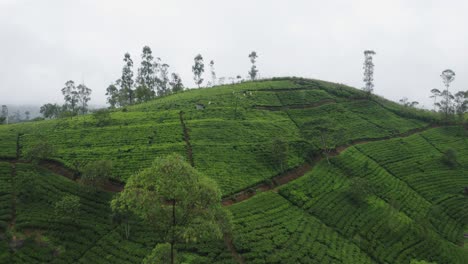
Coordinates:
[368,71]
[198,69]
[253,70]
[42,150]
[96,173]
[68,208]
[176,200]
[160,254]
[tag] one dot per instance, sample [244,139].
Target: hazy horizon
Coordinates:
[49,42]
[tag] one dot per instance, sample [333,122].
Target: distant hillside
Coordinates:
[309,210]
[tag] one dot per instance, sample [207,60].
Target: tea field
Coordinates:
[385,195]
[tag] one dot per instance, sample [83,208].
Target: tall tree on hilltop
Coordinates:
[435,93]
[448,76]
[213,73]
[368,71]
[177,201]
[70,95]
[112,93]
[5,113]
[84,96]
[126,82]
[253,70]
[461,103]
[50,110]
[164,88]
[176,83]
[198,69]
[145,81]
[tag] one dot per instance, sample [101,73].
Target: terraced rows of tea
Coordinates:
[415,209]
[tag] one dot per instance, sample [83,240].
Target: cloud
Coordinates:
[46,43]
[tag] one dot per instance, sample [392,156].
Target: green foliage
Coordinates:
[279,153]
[359,190]
[68,208]
[161,254]
[95,173]
[176,200]
[450,158]
[42,150]
[102,117]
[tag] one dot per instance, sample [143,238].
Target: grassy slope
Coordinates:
[232,144]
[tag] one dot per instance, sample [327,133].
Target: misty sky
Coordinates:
[45,43]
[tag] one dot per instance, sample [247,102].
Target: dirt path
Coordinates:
[299,171]
[186,139]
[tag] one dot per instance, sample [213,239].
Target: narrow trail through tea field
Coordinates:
[188,146]
[241,195]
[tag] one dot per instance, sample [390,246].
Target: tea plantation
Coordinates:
[385,195]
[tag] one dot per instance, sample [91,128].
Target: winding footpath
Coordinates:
[246,193]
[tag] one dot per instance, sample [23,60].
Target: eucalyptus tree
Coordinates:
[50,110]
[70,95]
[198,69]
[448,76]
[435,93]
[368,71]
[5,112]
[164,87]
[172,197]
[112,93]
[253,69]
[126,82]
[145,81]
[83,96]
[213,73]
[176,83]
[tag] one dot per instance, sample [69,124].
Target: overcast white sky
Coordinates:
[45,43]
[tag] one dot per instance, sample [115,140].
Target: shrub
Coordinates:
[96,173]
[40,151]
[450,158]
[102,117]
[68,207]
[359,190]
[160,254]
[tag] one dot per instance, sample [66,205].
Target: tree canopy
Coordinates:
[176,200]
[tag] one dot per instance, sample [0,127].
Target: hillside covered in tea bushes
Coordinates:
[361,179]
